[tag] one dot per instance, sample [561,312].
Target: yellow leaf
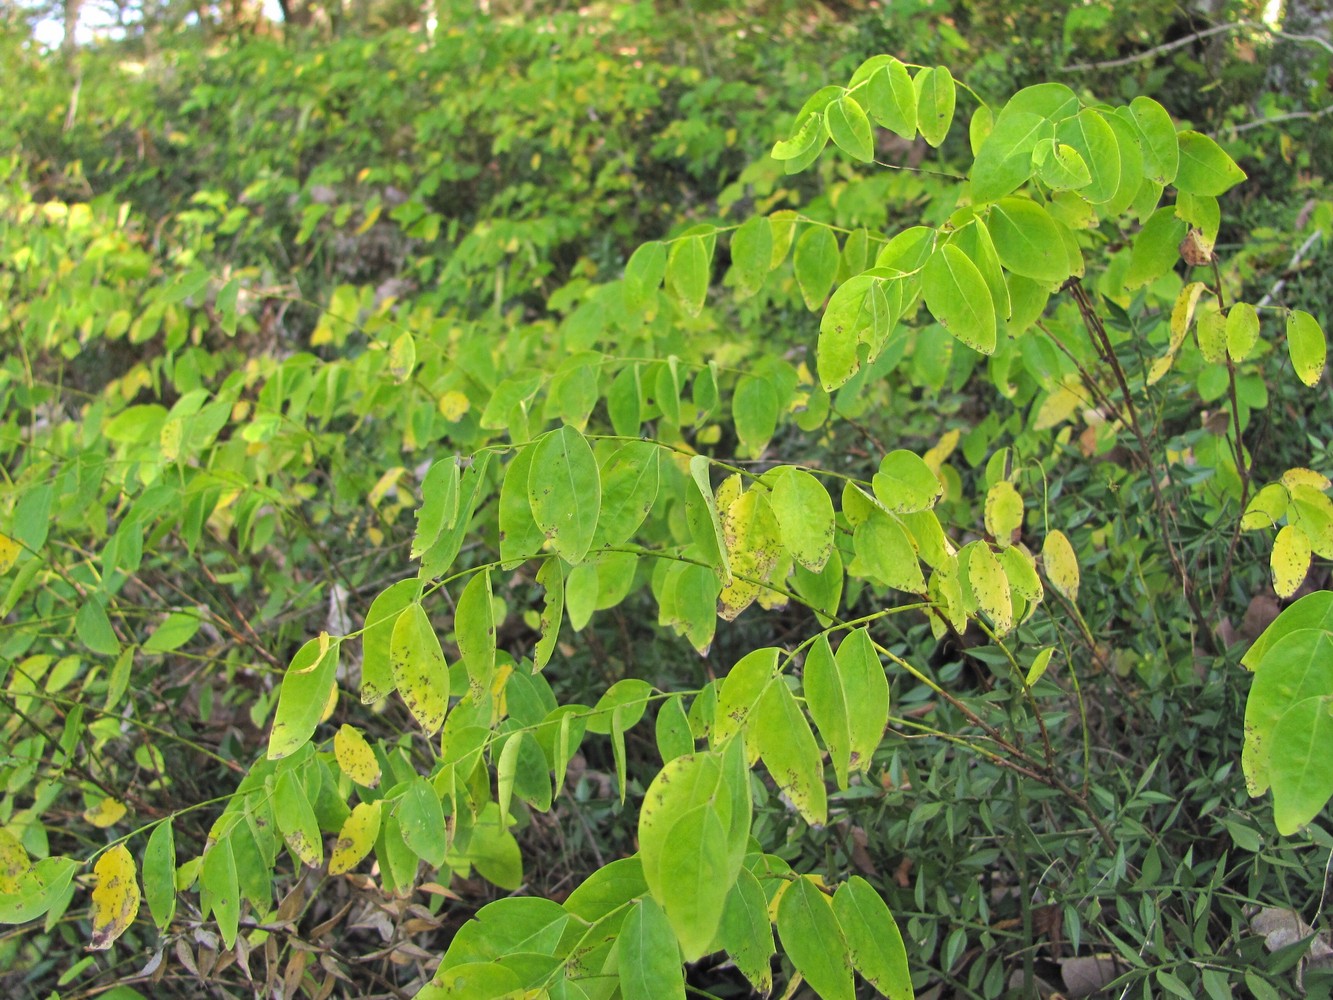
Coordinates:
[1003,513]
[14,863]
[453,405]
[115,897]
[355,757]
[1061,565]
[106,813]
[356,837]
[9,551]
[1305,477]
[1290,560]
[990,586]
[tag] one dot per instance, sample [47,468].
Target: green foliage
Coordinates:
[644,449]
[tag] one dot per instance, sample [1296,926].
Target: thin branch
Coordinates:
[1292,116]
[1180,43]
[1292,264]
[1158,50]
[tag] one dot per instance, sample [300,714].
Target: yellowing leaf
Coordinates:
[1305,343]
[1266,508]
[115,897]
[402,357]
[107,812]
[1290,560]
[14,862]
[754,541]
[9,552]
[1305,477]
[453,405]
[989,585]
[1242,331]
[356,838]
[1004,513]
[419,671]
[1061,565]
[355,757]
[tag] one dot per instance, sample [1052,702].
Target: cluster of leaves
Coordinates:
[631,450]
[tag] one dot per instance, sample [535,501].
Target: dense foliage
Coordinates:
[510,512]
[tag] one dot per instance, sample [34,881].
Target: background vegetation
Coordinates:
[260,282]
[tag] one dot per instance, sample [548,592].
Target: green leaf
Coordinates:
[884,552]
[1313,611]
[787,748]
[1161,147]
[672,730]
[159,874]
[631,483]
[905,483]
[746,934]
[178,629]
[892,100]
[296,820]
[440,556]
[1049,100]
[741,691]
[1096,143]
[1300,763]
[957,296]
[1060,166]
[1004,161]
[1242,331]
[849,128]
[1205,168]
[1028,240]
[219,890]
[751,254]
[807,134]
[858,314]
[421,820]
[867,691]
[419,672]
[935,96]
[688,273]
[814,942]
[1156,248]
[805,516]
[826,700]
[474,628]
[376,668]
[684,847]
[754,410]
[1040,663]
[565,491]
[708,534]
[650,964]
[1293,669]
[520,536]
[551,578]
[93,627]
[1307,346]
[876,945]
[307,687]
[1003,513]
[816,264]
[644,272]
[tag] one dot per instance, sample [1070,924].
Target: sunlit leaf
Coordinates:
[115,896]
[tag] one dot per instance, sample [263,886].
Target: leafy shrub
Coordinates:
[1056,518]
